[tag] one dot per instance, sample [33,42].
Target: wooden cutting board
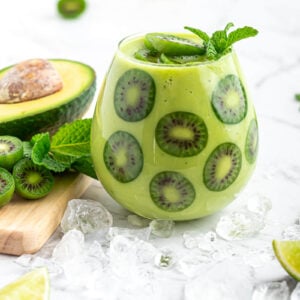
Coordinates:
[25,225]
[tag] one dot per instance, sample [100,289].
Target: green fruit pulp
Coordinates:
[186,88]
[24,119]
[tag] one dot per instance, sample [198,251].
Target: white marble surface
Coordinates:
[271,64]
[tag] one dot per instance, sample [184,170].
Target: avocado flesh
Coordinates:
[24,119]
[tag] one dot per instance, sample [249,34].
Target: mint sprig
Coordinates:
[221,41]
[69,148]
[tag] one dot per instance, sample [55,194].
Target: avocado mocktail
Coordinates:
[173,140]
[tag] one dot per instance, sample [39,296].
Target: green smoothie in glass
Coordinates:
[174,133]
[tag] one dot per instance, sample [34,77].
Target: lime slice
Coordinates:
[288,254]
[32,286]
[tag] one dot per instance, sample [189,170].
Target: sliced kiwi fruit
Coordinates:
[11,150]
[166,60]
[123,156]
[134,95]
[185,59]
[32,181]
[171,191]
[222,167]
[172,45]
[147,55]
[7,186]
[181,134]
[251,145]
[229,100]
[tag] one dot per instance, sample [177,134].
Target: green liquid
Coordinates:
[186,88]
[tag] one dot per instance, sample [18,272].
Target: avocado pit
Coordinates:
[29,80]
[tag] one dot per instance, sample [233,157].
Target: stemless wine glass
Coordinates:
[174,141]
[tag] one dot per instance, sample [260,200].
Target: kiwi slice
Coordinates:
[71,9]
[123,156]
[251,145]
[146,55]
[7,186]
[32,181]
[222,167]
[11,150]
[185,59]
[172,45]
[229,100]
[134,95]
[171,191]
[181,134]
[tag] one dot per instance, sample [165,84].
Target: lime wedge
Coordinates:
[32,286]
[288,254]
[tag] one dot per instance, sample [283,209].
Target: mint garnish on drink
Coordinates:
[172,49]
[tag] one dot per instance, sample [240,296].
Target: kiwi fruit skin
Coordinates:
[226,114]
[229,150]
[143,87]
[120,143]
[11,151]
[7,187]
[32,181]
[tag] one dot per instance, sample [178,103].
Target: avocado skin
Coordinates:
[51,120]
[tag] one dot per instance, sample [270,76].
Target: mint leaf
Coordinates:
[85,165]
[221,41]
[40,153]
[203,35]
[73,139]
[297,97]
[240,34]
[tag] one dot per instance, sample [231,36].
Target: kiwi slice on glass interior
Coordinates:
[181,134]
[11,150]
[32,181]
[171,191]
[229,100]
[134,95]
[251,145]
[7,186]
[222,167]
[123,156]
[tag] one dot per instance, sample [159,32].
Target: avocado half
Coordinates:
[48,113]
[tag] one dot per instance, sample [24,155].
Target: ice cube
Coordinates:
[85,215]
[239,224]
[165,258]
[137,221]
[70,246]
[24,260]
[142,233]
[271,291]
[291,232]
[162,228]
[296,292]
[259,204]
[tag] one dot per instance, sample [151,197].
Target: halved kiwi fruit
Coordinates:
[134,95]
[222,167]
[11,150]
[229,100]
[171,191]
[172,45]
[181,134]
[251,145]
[123,156]
[7,186]
[32,181]
[71,9]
